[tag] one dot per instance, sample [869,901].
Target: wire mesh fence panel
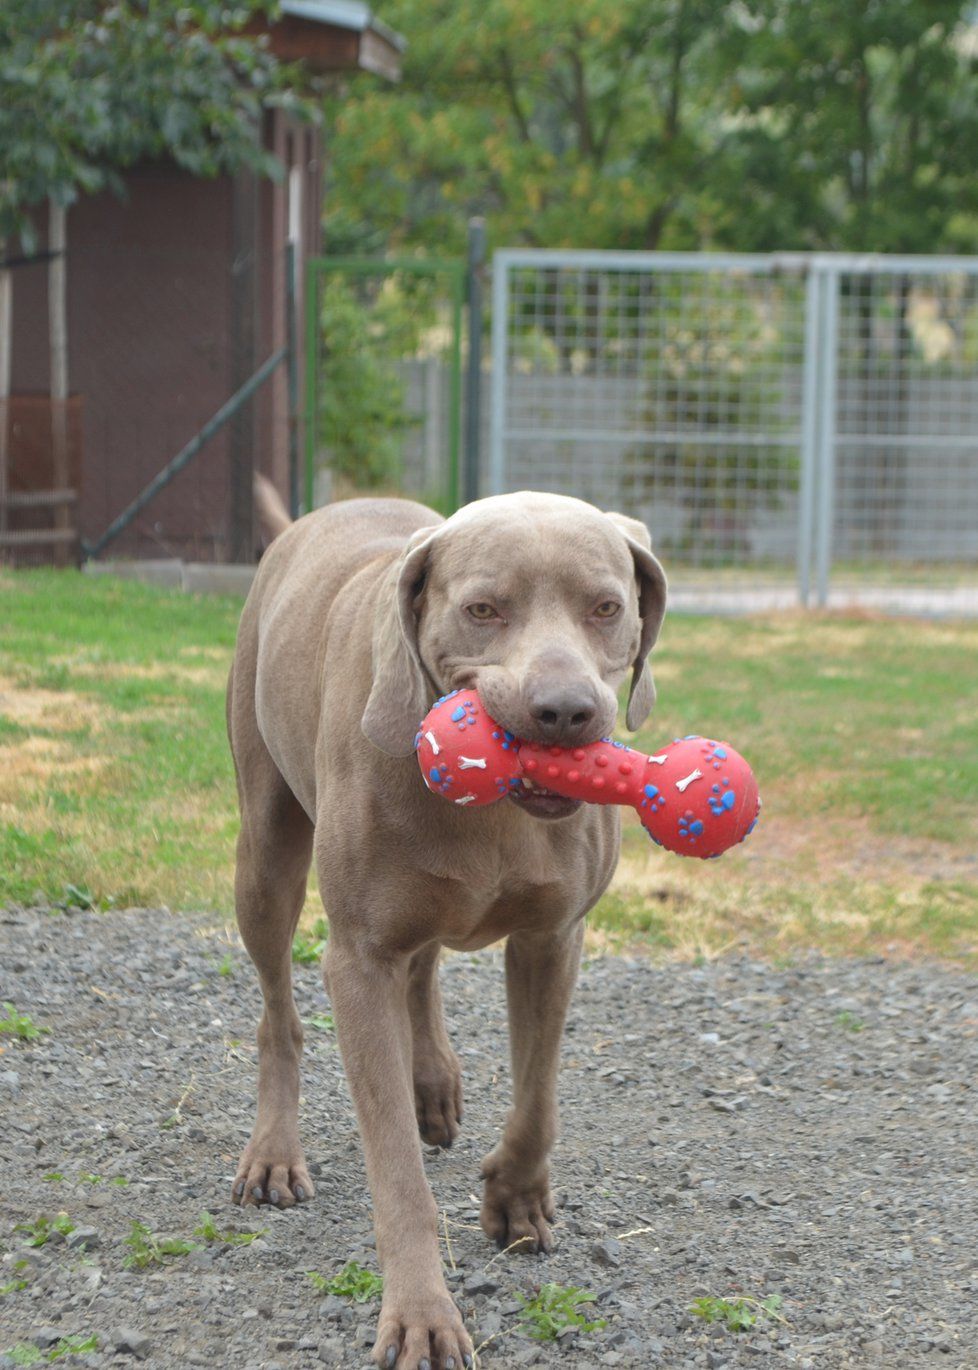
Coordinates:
[905,458]
[383,387]
[668,388]
[784,425]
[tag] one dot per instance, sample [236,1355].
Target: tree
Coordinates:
[854,127]
[752,125]
[87,91]
[566,122]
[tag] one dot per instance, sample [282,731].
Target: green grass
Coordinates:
[26,1353]
[209,1230]
[554,1307]
[119,781]
[149,1248]
[20,1025]
[738,1314]
[307,949]
[353,1282]
[116,785]
[40,1231]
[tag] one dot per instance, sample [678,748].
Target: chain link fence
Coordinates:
[787,426]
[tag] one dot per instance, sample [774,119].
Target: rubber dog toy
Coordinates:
[696,796]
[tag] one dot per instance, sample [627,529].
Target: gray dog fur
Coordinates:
[362,614]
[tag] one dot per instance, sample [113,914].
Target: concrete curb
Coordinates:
[193,577]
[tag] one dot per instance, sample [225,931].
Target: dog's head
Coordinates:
[541,602]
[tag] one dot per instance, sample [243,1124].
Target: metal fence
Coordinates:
[789,426]
[384,378]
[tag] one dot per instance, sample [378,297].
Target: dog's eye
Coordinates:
[608,609]
[482,613]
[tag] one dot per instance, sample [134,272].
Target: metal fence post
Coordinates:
[473,395]
[497,413]
[809,432]
[312,375]
[292,364]
[828,365]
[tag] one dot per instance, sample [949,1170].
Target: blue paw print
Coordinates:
[690,827]
[504,786]
[715,754]
[722,798]
[653,798]
[501,735]
[440,779]
[464,715]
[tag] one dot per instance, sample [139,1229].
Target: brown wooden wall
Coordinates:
[151,296]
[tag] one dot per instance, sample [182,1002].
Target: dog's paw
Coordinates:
[438,1099]
[421,1330]
[272,1173]
[516,1210]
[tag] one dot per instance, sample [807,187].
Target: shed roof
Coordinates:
[345,14]
[332,35]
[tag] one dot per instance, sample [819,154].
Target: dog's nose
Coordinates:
[562,712]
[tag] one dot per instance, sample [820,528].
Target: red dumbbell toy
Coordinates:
[696,797]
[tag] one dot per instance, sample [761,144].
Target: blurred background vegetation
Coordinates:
[756,125]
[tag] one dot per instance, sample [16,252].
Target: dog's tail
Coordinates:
[272,513]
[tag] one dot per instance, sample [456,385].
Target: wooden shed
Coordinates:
[176,294]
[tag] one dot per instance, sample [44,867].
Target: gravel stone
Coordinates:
[130,1342]
[607,1253]
[837,1175]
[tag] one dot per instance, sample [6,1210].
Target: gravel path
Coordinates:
[727,1130]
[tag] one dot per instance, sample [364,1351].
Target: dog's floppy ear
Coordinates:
[401,692]
[652,608]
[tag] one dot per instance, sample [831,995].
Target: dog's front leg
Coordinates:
[420,1328]
[540,973]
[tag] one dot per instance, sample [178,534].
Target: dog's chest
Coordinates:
[537,887]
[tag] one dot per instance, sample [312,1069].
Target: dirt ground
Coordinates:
[732,1129]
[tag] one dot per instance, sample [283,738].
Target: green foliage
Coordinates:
[147,1248]
[14,1024]
[73,1346]
[352,1282]
[308,951]
[120,83]
[555,1307]
[78,896]
[768,124]
[848,1021]
[362,406]
[853,126]
[322,1022]
[20,1281]
[209,1230]
[39,1232]
[26,1353]
[567,122]
[737,1315]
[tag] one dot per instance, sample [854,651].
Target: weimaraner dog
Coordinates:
[361,615]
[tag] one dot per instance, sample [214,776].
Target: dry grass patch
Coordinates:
[50,710]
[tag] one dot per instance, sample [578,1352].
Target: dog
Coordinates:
[362,614]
